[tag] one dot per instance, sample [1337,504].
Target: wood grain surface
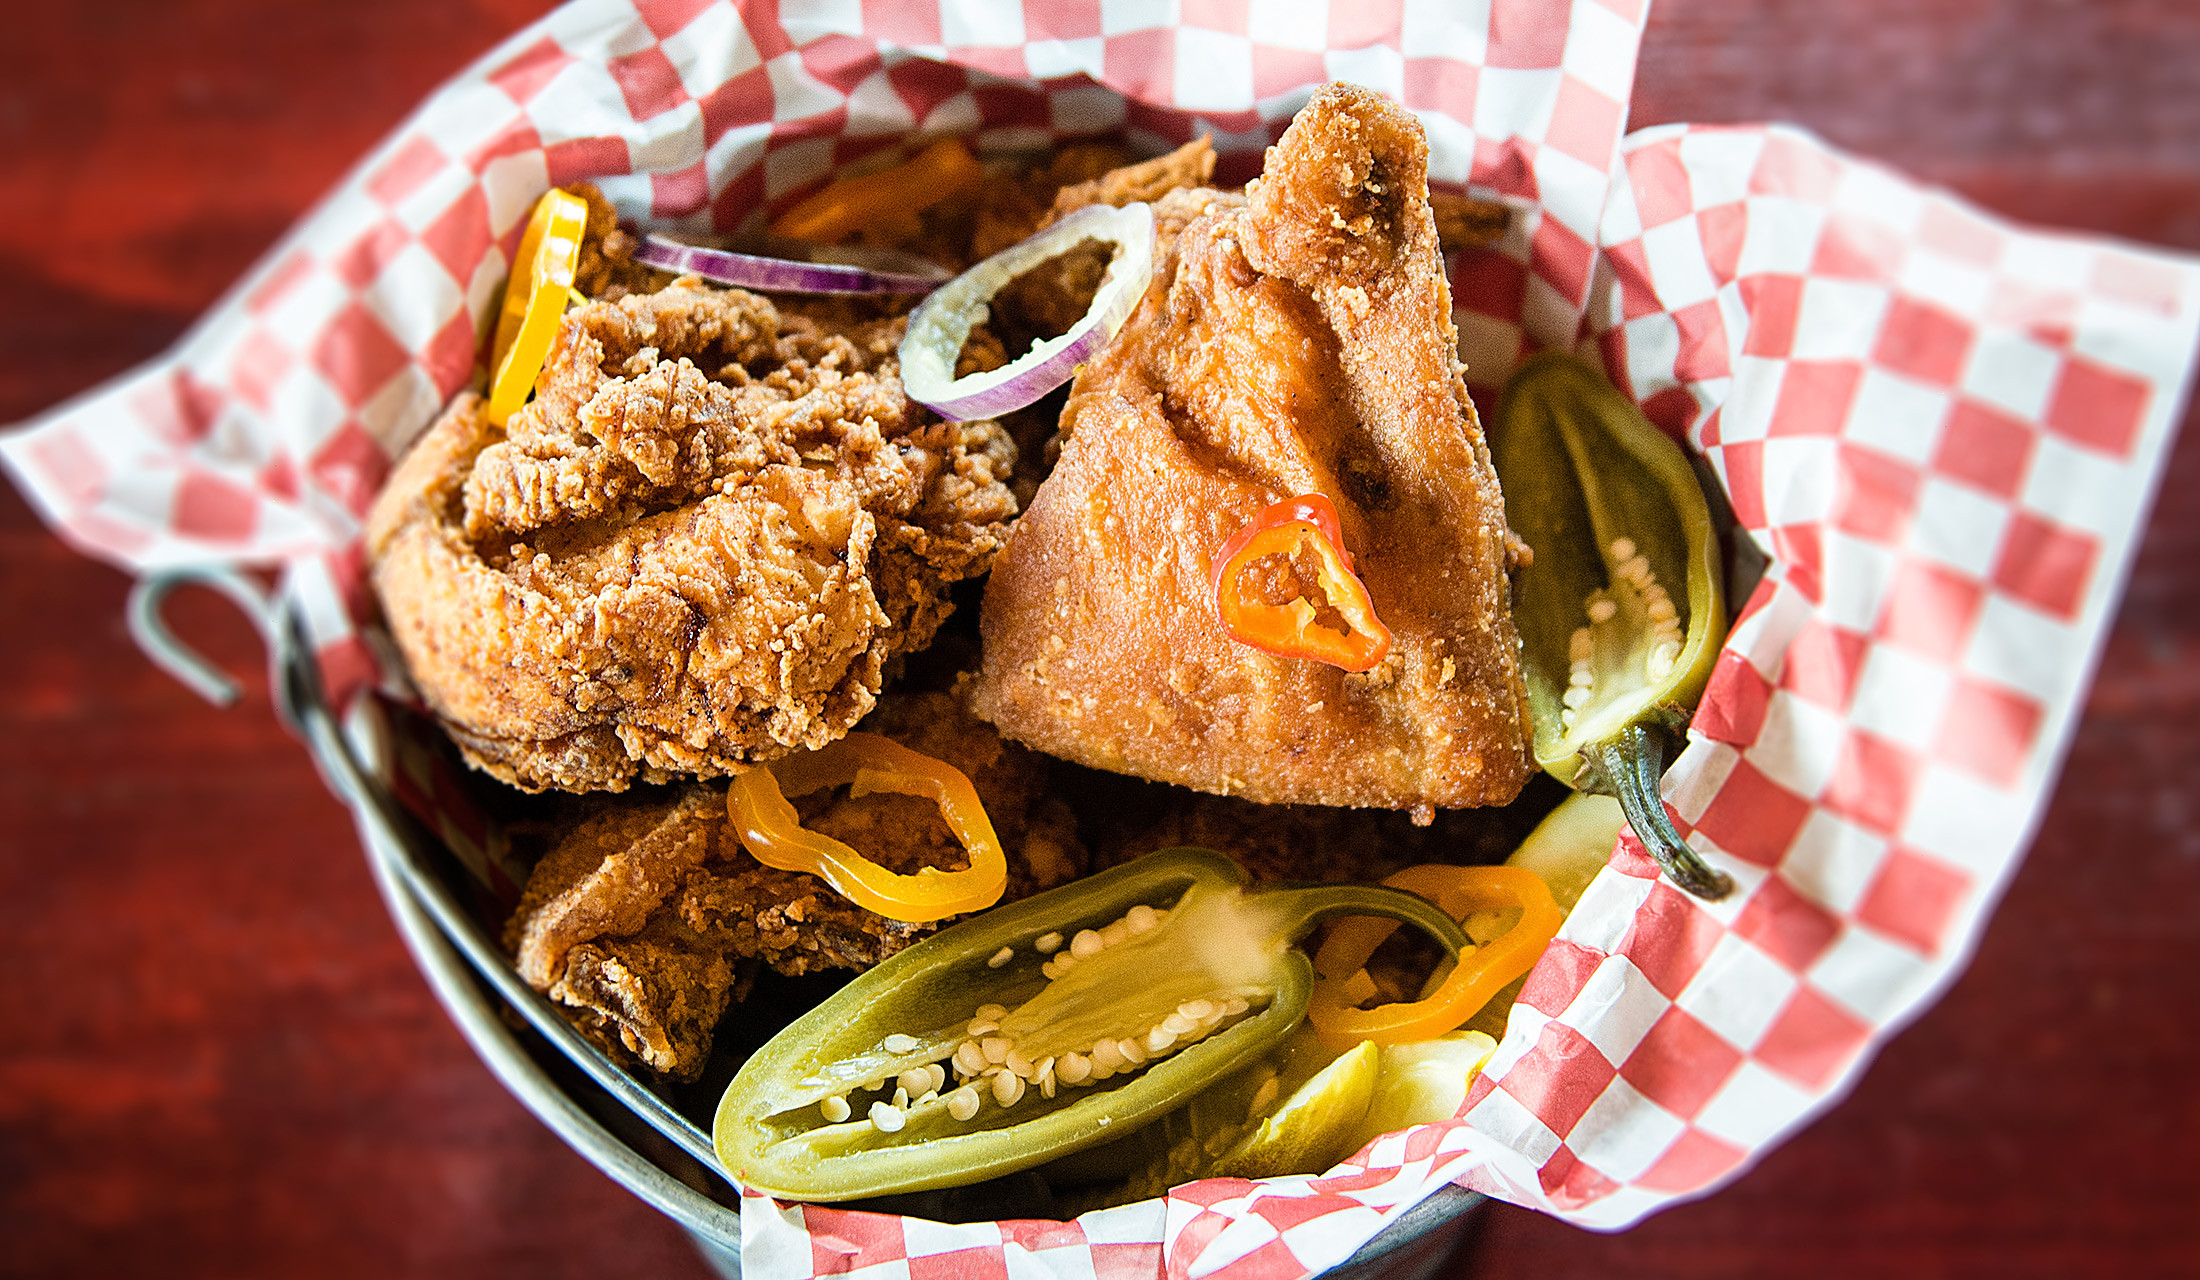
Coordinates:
[217,1060]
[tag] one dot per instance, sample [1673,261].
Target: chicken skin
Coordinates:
[648,919]
[696,549]
[1296,340]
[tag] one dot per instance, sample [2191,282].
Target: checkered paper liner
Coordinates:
[263,436]
[1944,430]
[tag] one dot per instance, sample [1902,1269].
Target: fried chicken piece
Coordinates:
[646,919]
[1190,165]
[590,935]
[607,270]
[1463,222]
[696,549]
[1046,300]
[1297,341]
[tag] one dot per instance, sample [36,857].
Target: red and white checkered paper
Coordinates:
[1944,430]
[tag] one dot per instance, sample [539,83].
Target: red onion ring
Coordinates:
[785,275]
[942,322]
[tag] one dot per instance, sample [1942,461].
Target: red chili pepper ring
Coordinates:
[1294,630]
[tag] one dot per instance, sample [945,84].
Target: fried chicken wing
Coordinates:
[1297,341]
[696,549]
[590,933]
[646,920]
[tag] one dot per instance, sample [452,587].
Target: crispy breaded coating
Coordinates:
[1463,222]
[696,549]
[589,932]
[1190,165]
[1046,300]
[1299,341]
[644,920]
[616,423]
[607,269]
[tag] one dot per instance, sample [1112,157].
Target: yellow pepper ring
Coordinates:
[516,294]
[867,763]
[1478,976]
[542,279]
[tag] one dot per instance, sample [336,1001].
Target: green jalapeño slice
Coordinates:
[1621,612]
[1038,1029]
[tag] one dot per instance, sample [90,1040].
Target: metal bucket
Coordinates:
[614,1120]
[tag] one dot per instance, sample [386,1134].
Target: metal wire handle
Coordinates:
[357,787]
[149,628]
[294,685]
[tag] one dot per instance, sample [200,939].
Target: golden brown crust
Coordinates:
[1300,341]
[1046,300]
[1191,165]
[645,919]
[696,549]
[1464,222]
[590,934]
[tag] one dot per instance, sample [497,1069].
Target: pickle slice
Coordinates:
[1422,1082]
[1315,1125]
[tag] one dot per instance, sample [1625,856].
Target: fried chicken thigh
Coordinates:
[647,919]
[696,549]
[1296,341]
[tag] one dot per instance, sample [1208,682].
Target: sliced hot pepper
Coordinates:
[1040,1028]
[867,763]
[1622,611]
[944,169]
[534,299]
[1296,1109]
[1305,531]
[1477,977]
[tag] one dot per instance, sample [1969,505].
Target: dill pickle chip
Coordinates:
[1569,847]
[1314,1127]
[1421,1083]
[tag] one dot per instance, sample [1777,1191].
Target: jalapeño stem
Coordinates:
[1300,908]
[1630,764]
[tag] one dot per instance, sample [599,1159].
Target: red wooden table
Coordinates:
[217,1060]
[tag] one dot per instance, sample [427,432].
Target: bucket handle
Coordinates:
[190,668]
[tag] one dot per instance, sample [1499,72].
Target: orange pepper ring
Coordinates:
[549,253]
[842,208]
[1477,977]
[1309,520]
[868,762]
